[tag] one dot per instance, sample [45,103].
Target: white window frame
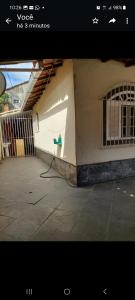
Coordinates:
[107,121]
[129,100]
[36,122]
[120,124]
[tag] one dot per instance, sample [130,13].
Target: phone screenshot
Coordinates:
[67,149]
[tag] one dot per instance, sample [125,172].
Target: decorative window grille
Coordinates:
[119,115]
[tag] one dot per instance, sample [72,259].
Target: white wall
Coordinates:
[57,115]
[92,80]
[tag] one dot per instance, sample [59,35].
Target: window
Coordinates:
[16,101]
[127,120]
[119,115]
[36,122]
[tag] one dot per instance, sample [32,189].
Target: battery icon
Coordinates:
[31,7]
[25,7]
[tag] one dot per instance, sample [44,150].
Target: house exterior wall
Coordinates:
[96,163]
[56,115]
[92,80]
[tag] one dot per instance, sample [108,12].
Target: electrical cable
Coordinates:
[53,176]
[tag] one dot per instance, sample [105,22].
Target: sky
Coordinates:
[14,78]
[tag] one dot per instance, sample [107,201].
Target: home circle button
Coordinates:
[67,291]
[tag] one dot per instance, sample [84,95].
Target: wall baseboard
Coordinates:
[86,175]
[106,171]
[64,168]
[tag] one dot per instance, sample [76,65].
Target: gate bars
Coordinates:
[17,135]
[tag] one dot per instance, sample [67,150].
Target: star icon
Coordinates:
[95,21]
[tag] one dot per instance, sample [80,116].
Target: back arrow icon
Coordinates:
[8,21]
[105,291]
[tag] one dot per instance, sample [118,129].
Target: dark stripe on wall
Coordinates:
[103,172]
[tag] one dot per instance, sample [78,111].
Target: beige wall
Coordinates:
[92,80]
[57,115]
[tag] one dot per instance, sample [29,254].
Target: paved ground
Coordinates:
[33,208]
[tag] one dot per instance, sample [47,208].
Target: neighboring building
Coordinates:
[89,105]
[17,94]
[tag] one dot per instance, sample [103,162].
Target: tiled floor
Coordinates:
[33,208]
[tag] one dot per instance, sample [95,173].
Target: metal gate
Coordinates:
[17,135]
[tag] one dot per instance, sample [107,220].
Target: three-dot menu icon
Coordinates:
[28,292]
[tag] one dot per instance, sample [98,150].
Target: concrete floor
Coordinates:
[33,208]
